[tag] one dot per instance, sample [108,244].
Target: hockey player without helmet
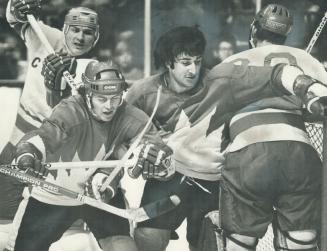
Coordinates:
[114,82]
[274,18]
[82,16]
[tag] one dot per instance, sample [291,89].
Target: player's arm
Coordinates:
[17,11]
[16,15]
[292,81]
[232,87]
[52,134]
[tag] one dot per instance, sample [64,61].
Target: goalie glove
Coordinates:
[154,162]
[95,182]
[28,159]
[54,66]
[21,8]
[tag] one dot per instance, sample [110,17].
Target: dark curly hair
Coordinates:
[182,39]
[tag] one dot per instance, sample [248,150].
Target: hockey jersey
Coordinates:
[72,134]
[197,138]
[273,119]
[197,147]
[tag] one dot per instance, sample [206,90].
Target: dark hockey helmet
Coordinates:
[84,17]
[113,83]
[275,18]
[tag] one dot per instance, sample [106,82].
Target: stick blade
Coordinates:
[155,209]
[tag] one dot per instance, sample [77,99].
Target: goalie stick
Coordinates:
[140,214]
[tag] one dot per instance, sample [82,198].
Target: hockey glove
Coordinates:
[95,182]
[28,160]
[53,67]
[313,93]
[154,162]
[21,8]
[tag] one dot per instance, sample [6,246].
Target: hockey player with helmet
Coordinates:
[89,126]
[196,148]
[292,185]
[80,34]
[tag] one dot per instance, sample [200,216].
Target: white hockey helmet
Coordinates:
[84,17]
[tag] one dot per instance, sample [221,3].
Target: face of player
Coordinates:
[79,39]
[105,106]
[186,72]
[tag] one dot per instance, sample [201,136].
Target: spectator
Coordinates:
[125,56]
[9,56]
[224,48]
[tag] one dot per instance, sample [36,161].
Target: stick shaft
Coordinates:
[37,29]
[89,164]
[50,187]
[317,33]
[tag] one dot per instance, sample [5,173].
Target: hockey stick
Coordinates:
[146,212]
[132,148]
[89,164]
[317,33]
[37,29]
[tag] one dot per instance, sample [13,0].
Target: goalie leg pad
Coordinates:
[283,240]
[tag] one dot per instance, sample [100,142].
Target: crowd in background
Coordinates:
[122,29]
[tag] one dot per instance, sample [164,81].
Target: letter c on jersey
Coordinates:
[35,62]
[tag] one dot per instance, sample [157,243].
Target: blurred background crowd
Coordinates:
[225,24]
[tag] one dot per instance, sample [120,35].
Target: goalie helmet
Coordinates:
[274,18]
[114,82]
[84,17]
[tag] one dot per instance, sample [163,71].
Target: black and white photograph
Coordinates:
[163,125]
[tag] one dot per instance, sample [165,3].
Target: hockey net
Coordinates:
[315,132]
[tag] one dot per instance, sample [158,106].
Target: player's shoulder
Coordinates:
[225,70]
[132,113]
[71,112]
[148,84]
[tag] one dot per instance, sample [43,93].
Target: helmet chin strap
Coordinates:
[90,106]
[252,40]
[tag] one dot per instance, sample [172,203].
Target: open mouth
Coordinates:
[78,46]
[108,113]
